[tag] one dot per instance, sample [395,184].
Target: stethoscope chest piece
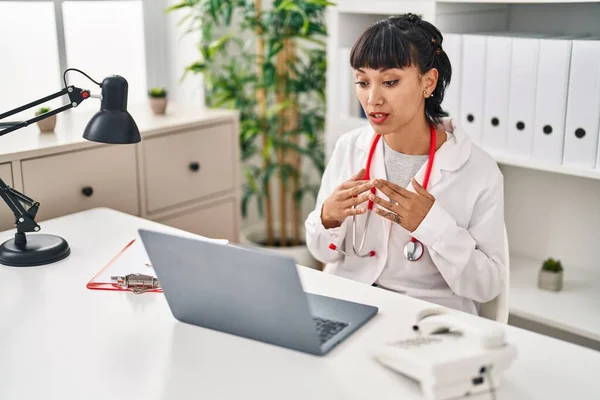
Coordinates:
[413,250]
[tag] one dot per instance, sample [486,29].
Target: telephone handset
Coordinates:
[489,334]
[451,354]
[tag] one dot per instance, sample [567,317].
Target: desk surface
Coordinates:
[60,340]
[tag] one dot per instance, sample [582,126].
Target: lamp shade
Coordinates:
[113,124]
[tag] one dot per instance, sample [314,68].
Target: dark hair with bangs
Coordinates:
[403,41]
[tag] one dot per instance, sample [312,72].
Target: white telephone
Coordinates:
[451,354]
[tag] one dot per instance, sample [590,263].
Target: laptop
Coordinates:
[248,292]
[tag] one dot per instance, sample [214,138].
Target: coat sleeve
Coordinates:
[318,238]
[472,260]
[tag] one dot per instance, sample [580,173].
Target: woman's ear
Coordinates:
[429,81]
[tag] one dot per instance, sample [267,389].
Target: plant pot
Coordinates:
[550,280]
[158,105]
[255,236]
[48,124]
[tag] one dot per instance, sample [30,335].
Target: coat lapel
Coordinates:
[449,157]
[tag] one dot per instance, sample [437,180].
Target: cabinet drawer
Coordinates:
[215,221]
[71,182]
[7,218]
[188,166]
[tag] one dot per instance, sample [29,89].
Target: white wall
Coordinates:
[182,51]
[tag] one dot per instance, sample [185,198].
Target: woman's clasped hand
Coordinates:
[406,208]
[345,199]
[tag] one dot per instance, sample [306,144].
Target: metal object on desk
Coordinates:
[137,283]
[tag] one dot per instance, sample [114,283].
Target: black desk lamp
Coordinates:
[112,124]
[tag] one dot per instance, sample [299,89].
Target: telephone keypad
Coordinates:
[416,342]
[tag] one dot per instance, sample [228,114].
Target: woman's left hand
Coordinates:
[409,208]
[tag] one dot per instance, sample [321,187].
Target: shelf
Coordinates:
[517,1]
[573,309]
[541,166]
[342,125]
[385,7]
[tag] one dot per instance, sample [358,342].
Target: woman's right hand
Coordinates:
[338,205]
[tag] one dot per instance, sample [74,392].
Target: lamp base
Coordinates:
[37,249]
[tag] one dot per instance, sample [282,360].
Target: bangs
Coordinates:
[382,47]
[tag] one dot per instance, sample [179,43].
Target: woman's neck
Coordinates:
[413,138]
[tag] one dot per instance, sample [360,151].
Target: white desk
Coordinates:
[60,340]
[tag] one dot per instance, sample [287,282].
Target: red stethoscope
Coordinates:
[413,250]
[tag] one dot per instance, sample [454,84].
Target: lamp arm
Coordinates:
[76,96]
[24,219]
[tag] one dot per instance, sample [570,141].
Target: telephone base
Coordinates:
[464,388]
[452,356]
[465,377]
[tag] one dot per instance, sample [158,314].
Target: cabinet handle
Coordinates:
[87,191]
[194,166]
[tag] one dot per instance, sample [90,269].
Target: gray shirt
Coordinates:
[399,167]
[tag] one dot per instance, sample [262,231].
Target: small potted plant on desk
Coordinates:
[551,275]
[158,100]
[47,124]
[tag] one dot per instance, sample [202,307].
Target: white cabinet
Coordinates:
[186,166]
[184,172]
[104,176]
[216,220]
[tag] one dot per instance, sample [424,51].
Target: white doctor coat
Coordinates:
[463,233]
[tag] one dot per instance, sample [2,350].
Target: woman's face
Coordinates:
[392,98]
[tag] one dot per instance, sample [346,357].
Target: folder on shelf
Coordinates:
[522,94]
[496,90]
[453,48]
[551,99]
[472,84]
[583,103]
[130,262]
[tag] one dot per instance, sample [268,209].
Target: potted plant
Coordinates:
[276,80]
[551,275]
[47,124]
[158,100]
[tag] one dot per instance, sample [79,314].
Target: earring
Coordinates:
[425,93]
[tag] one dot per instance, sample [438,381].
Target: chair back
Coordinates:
[497,309]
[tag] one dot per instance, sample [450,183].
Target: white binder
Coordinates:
[551,99]
[522,93]
[497,83]
[583,105]
[453,47]
[472,85]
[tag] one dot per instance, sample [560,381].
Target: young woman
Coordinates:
[436,230]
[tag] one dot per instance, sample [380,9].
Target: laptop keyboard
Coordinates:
[327,328]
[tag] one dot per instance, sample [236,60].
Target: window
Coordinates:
[29,68]
[40,39]
[103,38]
